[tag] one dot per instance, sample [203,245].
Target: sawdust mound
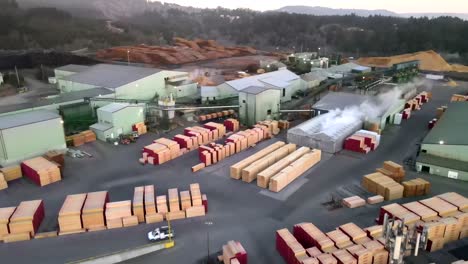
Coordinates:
[430,61]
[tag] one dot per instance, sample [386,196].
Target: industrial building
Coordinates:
[258,103]
[117,119]
[127,82]
[444,151]
[29,134]
[343,70]
[315,77]
[283,80]
[69,69]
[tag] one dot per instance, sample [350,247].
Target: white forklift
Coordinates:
[161,234]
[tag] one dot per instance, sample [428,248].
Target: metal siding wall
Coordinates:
[146,89]
[127,117]
[243,107]
[34,139]
[441,171]
[458,152]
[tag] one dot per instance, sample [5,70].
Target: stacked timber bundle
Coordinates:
[383,185]
[379,254]
[216,115]
[294,170]
[27,218]
[217,130]
[150,200]
[374,232]
[344,257]
[174,204]
[361,254]
[271,125]
[399,212]
[375,199]
[459,98]
[203,135]
[326,258]
[416,187]
[76,140]
[161,204]
[116,212]
[41,171]
[236,169]
[197,208]
[12,173]
[185,142]
[88,136]
[56,157]
[452,229]
[288,247]
[393,170]
[353,231]
[213,153]
[424,212]
[353,202]
[3,182]
[440,111]
[406,113]
[232,124]
[185,200]
[283,124]
[362,141]
[233,252]
[173,146]
[456,199]
[443,208]
[5,215]
[138,203]
[311,236]
[157,153]
[340,239]
[69,219]
[250,172]
[93,210]
[140,128]
[263,177]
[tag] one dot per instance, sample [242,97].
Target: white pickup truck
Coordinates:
[160,234]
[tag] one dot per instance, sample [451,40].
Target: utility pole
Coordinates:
[17,76]
[208,241]
[128,57]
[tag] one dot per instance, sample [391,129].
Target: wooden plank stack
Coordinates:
[232,124]
[12,173]
[116,212]
[374,232]
[283,124]
[93,210]
[362,141]
[393,170]
[353,202]
[344,257]
[443,208]
[174,204]
[195,194]
[27,217]
[353,231]
[375,199]
[459,98]
[249,173]
[311,236]
[88,136]
[379,254]
[294,170]
[217,130]
[383,185]
[424,212]
[41,171]
[271,125]
[288,246]
[76,140]
[211,116]
[185,200]
[452,229]
[3,182]
[456,199]
[398,211]
[70,214]
[340,239]
[56,157]
[233,251]
[140,128]
[138,203]
[361,254]
[236,169]
[5,215]
[416,187]
[263,177]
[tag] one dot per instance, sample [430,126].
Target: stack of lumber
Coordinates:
[326,258]
[93,210]
[12,173]
[456,199]
[406,113]
[41,171]
[383,185]
[424,212]
[236,169]
[435,229]
[353,231]
[434,244]
[195,194]
[88,136]
[397,211]
[161,204]
[361,254]
[459,98]
[5,215]
[69,218]
[186,142]
[416,187]
[344,257]
[311,236]
[353,202]
[375,199]
[174,204]
[271,125]
[76,140]
[185,200]
[288,247]
[172,145]
[294,170]
[56,157]
[3,182]
[27,217]
[116,212]
[452,229]
[194,211]
[155,154]
[443,208]
[374,232]
[203,135]
[440,111]
[249,173]
[149,198]
[393,170]
[217,130]
[283,124]
[362,141]
[225,113]
[213,153]
[379,254]
[233,252]
[140,128]
[413,104]
[263,177]
[340,239]
[232,124]
[138,205]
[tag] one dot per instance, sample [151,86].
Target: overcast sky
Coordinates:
[400,6]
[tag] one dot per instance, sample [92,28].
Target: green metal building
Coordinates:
[116,119]
[258,103]
[444,151]
[29,134]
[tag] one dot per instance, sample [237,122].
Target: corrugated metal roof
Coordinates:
[280,77]
[113,107]
[256,89]
[111,76]
[343,68]
[101,126]
[73,68]
[443,162]
[452,126]
[26,118]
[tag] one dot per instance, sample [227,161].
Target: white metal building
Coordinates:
[258,103]
[29,134]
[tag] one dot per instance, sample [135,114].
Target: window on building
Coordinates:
[243,101]
[423,151]
[284,92]
[269,112]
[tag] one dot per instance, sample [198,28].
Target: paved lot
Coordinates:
[238,210]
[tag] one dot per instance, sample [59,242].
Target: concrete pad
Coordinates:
[286,192]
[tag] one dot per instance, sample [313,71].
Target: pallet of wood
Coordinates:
[393,170]
[398,211]
[140,128]
[150,200]
[69,218]
[161,204]
[41,171]
[353,231]
[461,202]
[174,203]
[340,239]
[272,125]
[233,251]
[27,217]
[379,254]
[443,208]
[361,254]
[194,211]
[138,206]
[88,135]
[344,257]
[5,215]
[232,124]
[249,173]
[426,213]
[3,182]
[288,246]
[416,187]
[311,236]
[380,184]
[116,212]
[374,232]
[195,194]
[93,209]
[294,170]
[353,202]
[12,173]
[375,199]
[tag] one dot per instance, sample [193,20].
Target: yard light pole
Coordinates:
[208,223]
[128,57]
